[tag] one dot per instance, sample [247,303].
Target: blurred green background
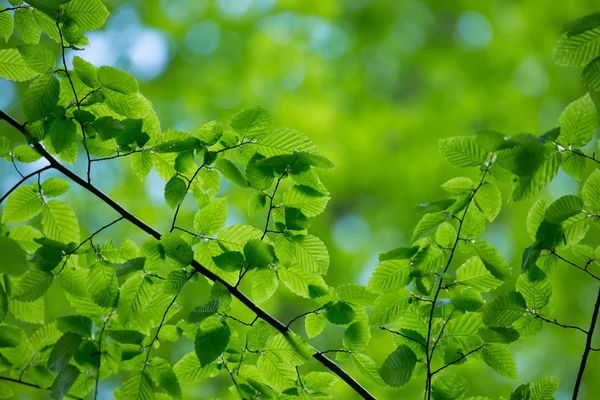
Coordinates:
[375,84]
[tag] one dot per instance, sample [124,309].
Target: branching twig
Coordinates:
[429,354]
[383,328]
[235,292]
[15,187]
[458,359]
[303,314]
[33,385]
[575,265]
[100,355]
[89,239]
[555,322]
[271,197]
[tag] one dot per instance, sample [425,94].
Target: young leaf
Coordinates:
[63,350]
[54,187]
[500,359]
[389,307]
[474,274]
[339,313]
[258,253]
[251,122]
[134,297]
[41,97]
[175,191]
[62,133]
[448,386]
[211,341]
[27,26]
[563,208]
[462,151]
[88,14]
[211,218]
[258,335]
[357,336]
[390,275]
[117,80]
[489,200]
[310,202]
[14,67]
[578,44]
[591,192]
[314,324]
[231,172]
[22,204]
[38,57]
[33,286]
[102,284]
[503,310]
[399,366]
[64,382]
[60,222]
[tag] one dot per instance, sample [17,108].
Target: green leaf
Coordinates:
[563,208]
[578,122]
[134,297]
[63,350]
[298,159]
[258,253]
[462,151]
[141,164]
[284,141]
[489,200]
[77,324]
[579,44]
[428,224]
[314,324]
[26,154]
[308,251]
[299,281]
[38,58]
[62,133]
[22,204]
[399,366]
[357,336]
[500,359]
[206,186]
[499,335]
[310,202]
[229,261]
[536,216]
[503,310]
[108,127]
[175,191]
[591,75]
[86,71]
[177,250]
[33,286]
[10,336]
[231,172]
[390,275]
[474,274]
[251,122]
[543,388]
[276,373]
[137,387]
[102,284]
[295,220]
[535,287]
[179,145]
[54,187]
[590,192]
[258,335]
[259,177]
[531,183]
[88,14]
[60,222]
[14,67]
[368,368]
[117,80]
[209,309]
[175,282]
[234,237]
[459,185]
[465,298]
[188,369]
[448,386]
[211,218]
[339,313]
[127,336]
[6,25]
[493,260]
[264,285]
[41,97]
[211,341]
[389,307]
[210,132]
[27,26]
[64,382]
[319,381]
[573,164]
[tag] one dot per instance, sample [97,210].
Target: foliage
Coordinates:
[444,299]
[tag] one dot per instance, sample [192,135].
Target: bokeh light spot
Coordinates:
[351,233]
[203,37]
[474,31]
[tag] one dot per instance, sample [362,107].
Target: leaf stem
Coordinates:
[459,359]
[16,186]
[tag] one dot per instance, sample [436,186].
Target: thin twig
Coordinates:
[33,385]
[459,359]
[89,239]
[15,187]
[575,265]
[118,155]
[303,314]
[271,204]
[100,355]
[555,322]
[383,328]
[64,60]
[428,354]
[235,292]
[187,190]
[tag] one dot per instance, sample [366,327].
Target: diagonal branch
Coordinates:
[555,322]
[33,385]
[575,265]
[235,292]
[458,359]
[588,347]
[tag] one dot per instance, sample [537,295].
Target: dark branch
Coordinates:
[588,347]
[303,314]
[555,322]
[262,314]
[575,265]
[4,378]
[383,328]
